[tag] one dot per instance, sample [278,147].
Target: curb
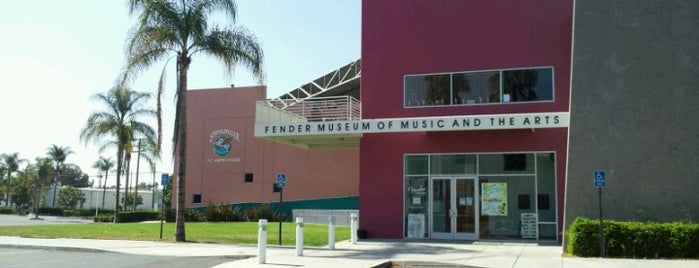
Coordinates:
[55,248]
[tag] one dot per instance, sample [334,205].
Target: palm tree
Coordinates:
[11,163]
[169,28]
[42,176]
[58,155]
[123,107]
[104,164]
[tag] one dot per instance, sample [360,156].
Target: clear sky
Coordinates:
[55,55]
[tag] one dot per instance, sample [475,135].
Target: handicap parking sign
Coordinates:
[281,180]
[599,178]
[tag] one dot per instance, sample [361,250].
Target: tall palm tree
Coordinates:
[181,28]
[11,163]
[104,165]
[123,107]
[58,155]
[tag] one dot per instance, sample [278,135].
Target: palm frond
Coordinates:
[233,47]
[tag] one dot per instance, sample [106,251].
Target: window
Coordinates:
[523,202]
[480,87]
[196,199]
[515,161]
[527,85]
[428,90]
[248,177]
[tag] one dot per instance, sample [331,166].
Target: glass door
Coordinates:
[453,208]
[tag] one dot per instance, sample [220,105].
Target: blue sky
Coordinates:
[57,54]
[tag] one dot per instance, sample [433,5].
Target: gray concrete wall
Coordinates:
[635,110]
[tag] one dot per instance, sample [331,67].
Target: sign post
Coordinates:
[164,182]
[281,183]
[600,181]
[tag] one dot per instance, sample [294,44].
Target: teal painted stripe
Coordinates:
[336,203]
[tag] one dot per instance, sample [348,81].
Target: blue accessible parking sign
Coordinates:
[600,179]
[281,180]
[164,179]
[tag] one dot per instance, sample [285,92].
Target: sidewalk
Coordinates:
[365,253]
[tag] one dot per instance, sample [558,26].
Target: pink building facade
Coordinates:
[227,165]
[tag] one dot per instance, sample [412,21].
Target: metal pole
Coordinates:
[331,232]
[601,225]
[138,162]
[299,236]
[153,187]
[262,241]
[53,200]
[281,194]
[162,211]
[353,228]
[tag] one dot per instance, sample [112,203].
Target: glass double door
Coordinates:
[454,207]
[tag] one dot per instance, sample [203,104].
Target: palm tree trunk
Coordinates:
[181,148]
[120,153]
[104,187]
[127,170]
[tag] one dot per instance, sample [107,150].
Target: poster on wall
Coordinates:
[494,199]
[416,225]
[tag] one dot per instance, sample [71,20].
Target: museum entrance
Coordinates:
[454,205]
[480,196]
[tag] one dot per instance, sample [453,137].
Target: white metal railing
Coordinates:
[308,110]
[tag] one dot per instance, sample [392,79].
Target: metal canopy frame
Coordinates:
[336,83]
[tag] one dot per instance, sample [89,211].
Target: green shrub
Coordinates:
[138,216]
[193,215]
[106,217]
[263,211]
[51,211]
[223,213]
[634,239]
[4,210]
[83,212]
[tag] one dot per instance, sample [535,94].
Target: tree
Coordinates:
[104,165]
[72,175]
[168,28]
[11,163]
[42,177]
[21,195]
[123,108]
[58,155]
[70,197]
[130,198]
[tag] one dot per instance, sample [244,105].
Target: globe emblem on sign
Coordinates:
[222,145]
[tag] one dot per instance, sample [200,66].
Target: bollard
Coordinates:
[262,242]
[299,236]
[353,228]
[331,232]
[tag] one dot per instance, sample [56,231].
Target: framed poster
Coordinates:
[494,199]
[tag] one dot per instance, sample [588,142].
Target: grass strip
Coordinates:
[315,235]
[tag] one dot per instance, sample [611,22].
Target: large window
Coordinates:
[481,87]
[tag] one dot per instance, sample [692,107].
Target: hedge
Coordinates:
[4,210]
[132,216]
[676,240]
[51,211]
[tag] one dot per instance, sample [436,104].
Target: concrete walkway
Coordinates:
[365,253]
